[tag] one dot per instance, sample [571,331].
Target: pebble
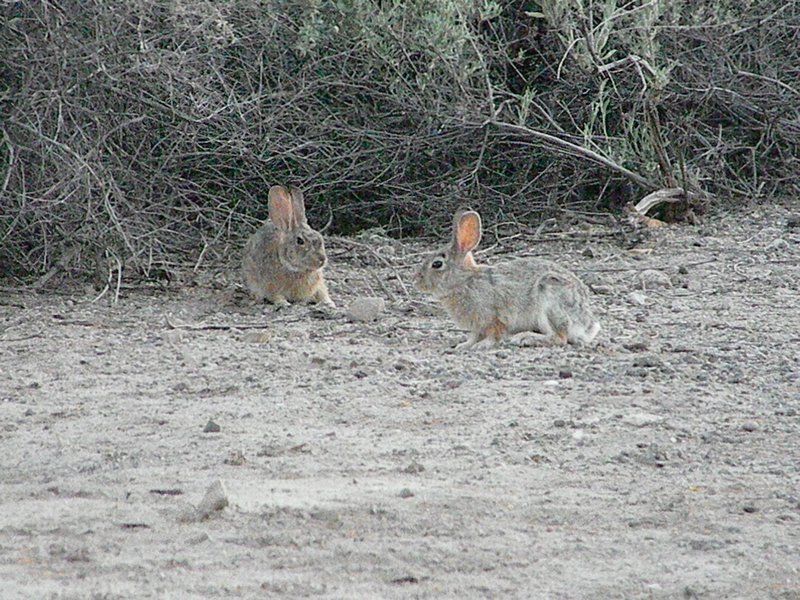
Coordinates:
[211,427]
[366,309]
[777,245]
[406,493]
[637,298]
[257,337]
[197,539]
[750,426]
[693,284]
[216,499]
[414,468]
[647,360]
[653,279]
[235,458]
[636,346]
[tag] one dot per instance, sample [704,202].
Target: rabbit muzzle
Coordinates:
[320,260]
[420,281]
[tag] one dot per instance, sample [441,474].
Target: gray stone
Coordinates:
[366,309]
[216,499]
[650,279]
[637,299]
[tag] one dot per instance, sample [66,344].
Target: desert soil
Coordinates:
[371,460]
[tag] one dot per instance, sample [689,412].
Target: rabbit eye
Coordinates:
[437,264]
[300,241]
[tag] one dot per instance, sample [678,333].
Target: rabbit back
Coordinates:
[538,295]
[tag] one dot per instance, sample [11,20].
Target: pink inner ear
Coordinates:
[280,208]
[469,261]
[468,232]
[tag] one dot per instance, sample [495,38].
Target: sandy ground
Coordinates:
[370,460]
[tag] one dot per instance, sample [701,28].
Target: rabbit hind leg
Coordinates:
[487,337]
[528,338]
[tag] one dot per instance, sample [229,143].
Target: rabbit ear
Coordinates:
[281,212]
[298,206]
[466,231]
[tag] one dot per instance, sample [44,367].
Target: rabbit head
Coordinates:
[300,248]
[447,267]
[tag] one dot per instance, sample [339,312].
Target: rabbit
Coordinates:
[531,299]
[283,260]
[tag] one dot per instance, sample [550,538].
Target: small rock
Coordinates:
[637,298]
[211,427]
[366,309]
[564,374]
[588,252]
[559,423]
[636,346]
[652,279]
[749,426]
[236,459]
[197,539]
[406,493]
[651,454]
[257,337]
[216,499]
[749,508]
[414,468]
[648,360]
[683,270]
[777,245]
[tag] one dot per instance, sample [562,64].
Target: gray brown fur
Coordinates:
[284,259]
[528,298]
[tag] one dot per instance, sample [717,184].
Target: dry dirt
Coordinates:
[369,460]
